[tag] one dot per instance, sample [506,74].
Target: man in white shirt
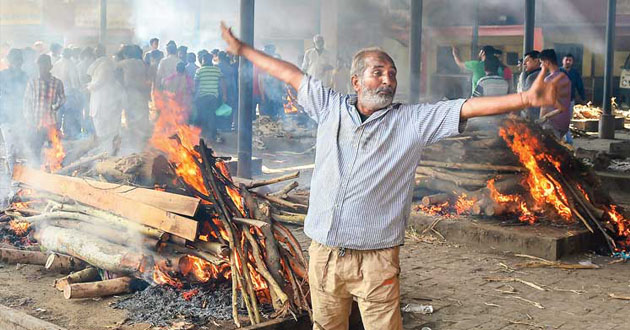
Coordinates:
[317,61]
[167,66]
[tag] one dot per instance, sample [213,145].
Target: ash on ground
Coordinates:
[161,305]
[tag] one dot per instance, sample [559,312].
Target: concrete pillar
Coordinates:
[102,36]
[415,51]
[245,111]
[474,45]
[607,120]
[530,23]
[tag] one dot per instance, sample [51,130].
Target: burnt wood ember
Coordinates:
[161,305]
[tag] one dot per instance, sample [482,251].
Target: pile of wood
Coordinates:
[509,172]
[112,235]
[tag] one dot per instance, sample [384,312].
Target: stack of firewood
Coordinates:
[518,170]
[122,233]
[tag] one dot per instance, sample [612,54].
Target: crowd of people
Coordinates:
[86,92]
[490,77]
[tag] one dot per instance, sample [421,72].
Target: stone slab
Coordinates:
[542,241]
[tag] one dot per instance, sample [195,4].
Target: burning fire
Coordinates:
[443,209]
[20,228]
[200,269]
[53,156]
[162,278]
[544,189]
[260,285]
[622,226]
[290,106]
[516,201]
[173,136]
[464,204]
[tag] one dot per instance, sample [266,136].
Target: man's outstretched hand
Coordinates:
[547,94]
[233,44]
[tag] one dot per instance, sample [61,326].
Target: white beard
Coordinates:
[371,99]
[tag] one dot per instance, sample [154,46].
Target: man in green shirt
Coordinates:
[209,85]
[476,67]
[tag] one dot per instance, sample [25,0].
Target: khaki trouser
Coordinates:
[370,277]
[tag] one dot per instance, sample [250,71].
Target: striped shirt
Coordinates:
[42,99]
[362,182]
[207,80]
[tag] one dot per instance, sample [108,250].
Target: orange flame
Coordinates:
[20,228]
[622,226]
[290,104]
[172,121]
[53,156]
[260,285]
[544,189]
[438,209]
[201,270]
[161,278]
[525,215]
[237,198]
[464,204]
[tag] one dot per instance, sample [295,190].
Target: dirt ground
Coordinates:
[468,288]
[454,279]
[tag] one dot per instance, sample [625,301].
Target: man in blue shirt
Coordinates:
[577,86]
[367,150]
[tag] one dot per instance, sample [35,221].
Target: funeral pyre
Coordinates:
[172,216]
[520,172]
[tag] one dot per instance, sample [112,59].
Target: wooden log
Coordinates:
[494,209]
[217,248]
[81,162]
[86,275]
[282,202]
[98,289]
[435,199]
[13,319]
[114,235]
[295,219]
[14,256]
[471,166]
[108,201]
[176,203]
[251,222]
[477,208]
[259,183]
[95,251]
[440,185]
[452,177]
[282,193]
[63,264]
[113,228]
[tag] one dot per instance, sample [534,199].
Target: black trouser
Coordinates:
[206,115]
